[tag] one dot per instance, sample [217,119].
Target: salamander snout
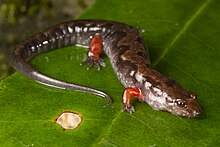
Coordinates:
[192,109]
[184,107]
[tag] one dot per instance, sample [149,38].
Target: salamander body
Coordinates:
[128,55]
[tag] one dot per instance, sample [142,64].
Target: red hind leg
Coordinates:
[94,52]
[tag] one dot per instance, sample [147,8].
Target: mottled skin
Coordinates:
[128,56]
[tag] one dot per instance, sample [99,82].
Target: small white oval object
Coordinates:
[69,120]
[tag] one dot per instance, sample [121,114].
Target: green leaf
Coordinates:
[183,41]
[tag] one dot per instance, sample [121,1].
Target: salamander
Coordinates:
[128,55]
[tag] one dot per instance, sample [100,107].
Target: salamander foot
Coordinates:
[94,63]
[128,108]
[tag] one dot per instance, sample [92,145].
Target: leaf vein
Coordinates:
[180,33]
[110,126]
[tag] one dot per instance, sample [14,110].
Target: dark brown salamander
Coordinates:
[128,56]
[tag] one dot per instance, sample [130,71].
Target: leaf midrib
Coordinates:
[182,31]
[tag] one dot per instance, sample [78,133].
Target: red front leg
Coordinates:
[127,95]
[95,50]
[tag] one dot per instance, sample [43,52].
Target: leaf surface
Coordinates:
[183,41]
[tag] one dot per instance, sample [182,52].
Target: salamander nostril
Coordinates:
[196,113]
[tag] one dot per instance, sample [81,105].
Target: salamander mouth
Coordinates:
[186,112]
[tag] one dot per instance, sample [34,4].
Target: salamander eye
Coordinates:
[180,103]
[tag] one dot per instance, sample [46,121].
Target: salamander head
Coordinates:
[172,98]
[183,106]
